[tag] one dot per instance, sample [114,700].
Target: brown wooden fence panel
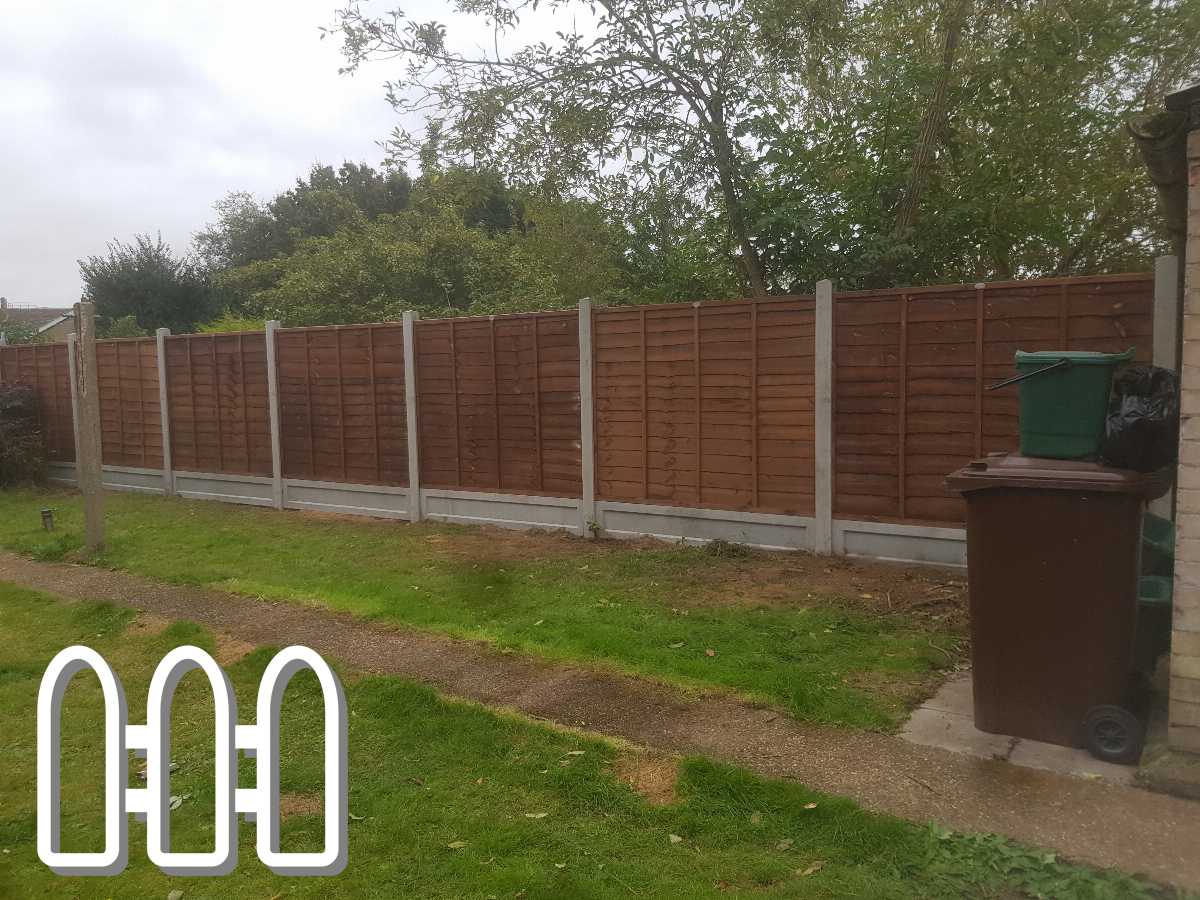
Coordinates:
[342,407]
[218,401]
[45,368]
[706,404]
[911,368]
[130,416]
[499,403]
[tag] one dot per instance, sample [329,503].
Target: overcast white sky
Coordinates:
[127,116]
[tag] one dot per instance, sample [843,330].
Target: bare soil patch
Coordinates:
[147,624]
[924,592]
[300,805]
[652,775]
[229,649]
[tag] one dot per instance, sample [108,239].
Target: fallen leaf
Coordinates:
[710,652]
[785,844]
[176,894]
[810,806]
[560,865]
[675,839]
[456,845]
[755,818]
[540,815]
[811,870]
[676,645]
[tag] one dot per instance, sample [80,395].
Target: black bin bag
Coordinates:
[1142,429]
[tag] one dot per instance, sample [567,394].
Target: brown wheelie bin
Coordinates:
[1052,550]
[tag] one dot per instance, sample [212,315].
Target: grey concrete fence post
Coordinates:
[415,512]
[272,330]
[1167,318]
[587,421]
[164,410]
[823,415]
[1167,301]
[73,375]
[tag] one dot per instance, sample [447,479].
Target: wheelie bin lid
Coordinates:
[1009,470]
[1077,357]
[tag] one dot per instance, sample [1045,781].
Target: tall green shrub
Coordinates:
[22,450]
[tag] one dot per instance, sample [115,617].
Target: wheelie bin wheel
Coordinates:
[1113,734]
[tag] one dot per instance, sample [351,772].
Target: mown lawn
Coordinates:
[450,800]
[641,609]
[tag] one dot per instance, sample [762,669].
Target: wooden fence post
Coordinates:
[273,408]
[410,408]
[823,416]
[87,453]
[587,437]
[164,410]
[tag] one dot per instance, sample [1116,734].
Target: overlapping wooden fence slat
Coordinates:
[342,410]
[706,405]
[44,368]
[911,366]
[498,403]
[130,417]
[217,397]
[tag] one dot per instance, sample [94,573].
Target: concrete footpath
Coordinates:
[1087,820]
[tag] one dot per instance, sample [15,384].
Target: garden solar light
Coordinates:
[48,519]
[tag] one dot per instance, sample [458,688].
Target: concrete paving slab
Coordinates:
[954,696]
[1068,761]
[951,731]
[947,721]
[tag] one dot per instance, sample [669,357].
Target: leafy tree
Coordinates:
[375,270]
[465,242]
[124,327]
[655,84]
[965,140]
[317,206]
[883,142]
[145,281]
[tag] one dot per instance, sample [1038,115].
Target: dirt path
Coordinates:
[1099,823]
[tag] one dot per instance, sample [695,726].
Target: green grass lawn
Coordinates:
[633,608]
[451,800]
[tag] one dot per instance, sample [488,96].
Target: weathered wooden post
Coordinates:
[88,450]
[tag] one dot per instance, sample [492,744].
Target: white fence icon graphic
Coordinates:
[259,804]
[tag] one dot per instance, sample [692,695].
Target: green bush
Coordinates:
[22,451]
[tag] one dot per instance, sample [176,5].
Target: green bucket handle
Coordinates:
[1022,377]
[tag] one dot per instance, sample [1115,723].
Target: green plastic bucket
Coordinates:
[1064,400]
